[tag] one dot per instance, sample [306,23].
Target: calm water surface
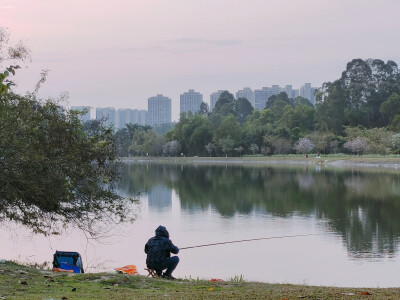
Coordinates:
[354,215]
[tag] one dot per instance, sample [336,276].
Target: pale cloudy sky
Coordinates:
[121,52]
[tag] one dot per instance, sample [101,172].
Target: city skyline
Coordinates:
[160,107]
[121,52]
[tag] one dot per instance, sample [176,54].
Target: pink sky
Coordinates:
[118,53]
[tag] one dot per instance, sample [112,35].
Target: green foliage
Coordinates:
[226,144]
[282,97]
[379,140]
[357,97]
[193,132]
[127,138]
[53,171]
[225,100]
[229,127]
[391,107]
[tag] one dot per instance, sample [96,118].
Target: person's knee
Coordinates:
[175,259]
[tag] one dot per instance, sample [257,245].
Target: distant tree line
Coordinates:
[358,113]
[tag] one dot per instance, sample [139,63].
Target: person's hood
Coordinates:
[161,231]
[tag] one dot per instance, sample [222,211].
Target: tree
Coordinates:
[152,143]
[391,107]
[224,98]
[283,97]
[12,54]
[358,146]
[124,138]
[193,132]
[265,150]
[242,109]
[302,101]
[356,98]
[54,170]
[239,150]
[321,140]
[226,144]
[172,148]
[211,148]
[204,109]
[304,145]
[229,127]
[282,146]
[254,148]
[395,123]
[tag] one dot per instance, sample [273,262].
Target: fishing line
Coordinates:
[249,240]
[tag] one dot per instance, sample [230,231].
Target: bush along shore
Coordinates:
[24,282]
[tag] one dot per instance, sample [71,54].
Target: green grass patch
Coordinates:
[22,282]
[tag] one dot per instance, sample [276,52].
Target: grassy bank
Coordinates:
[22,282]
[296,157]
[333,160]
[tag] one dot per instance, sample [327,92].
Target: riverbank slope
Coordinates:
[23,282]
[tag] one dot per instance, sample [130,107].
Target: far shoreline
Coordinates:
[342,161]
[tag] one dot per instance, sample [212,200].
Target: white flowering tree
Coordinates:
[304,145]
[172,148]
[357,146]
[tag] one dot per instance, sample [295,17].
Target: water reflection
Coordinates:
[362,207]
[160,198]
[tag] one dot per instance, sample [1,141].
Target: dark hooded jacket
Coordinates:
[159,249]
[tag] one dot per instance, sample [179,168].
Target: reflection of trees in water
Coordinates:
[362,207]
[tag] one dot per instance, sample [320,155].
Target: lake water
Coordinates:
[351,219]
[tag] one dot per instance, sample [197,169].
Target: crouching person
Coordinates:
[158,250]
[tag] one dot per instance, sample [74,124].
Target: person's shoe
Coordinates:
[169,277]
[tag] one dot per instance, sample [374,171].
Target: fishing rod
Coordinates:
[249,240]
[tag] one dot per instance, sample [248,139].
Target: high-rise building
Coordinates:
[275,89]
[107,114]
[261,97]
[139,117]
[130,116]
[246,93]
[214,98]
[306,91]
[123,117]
[159,110]
[288,90]
[191,101]
[84,117]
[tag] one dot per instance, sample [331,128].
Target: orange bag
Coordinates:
[129,270]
